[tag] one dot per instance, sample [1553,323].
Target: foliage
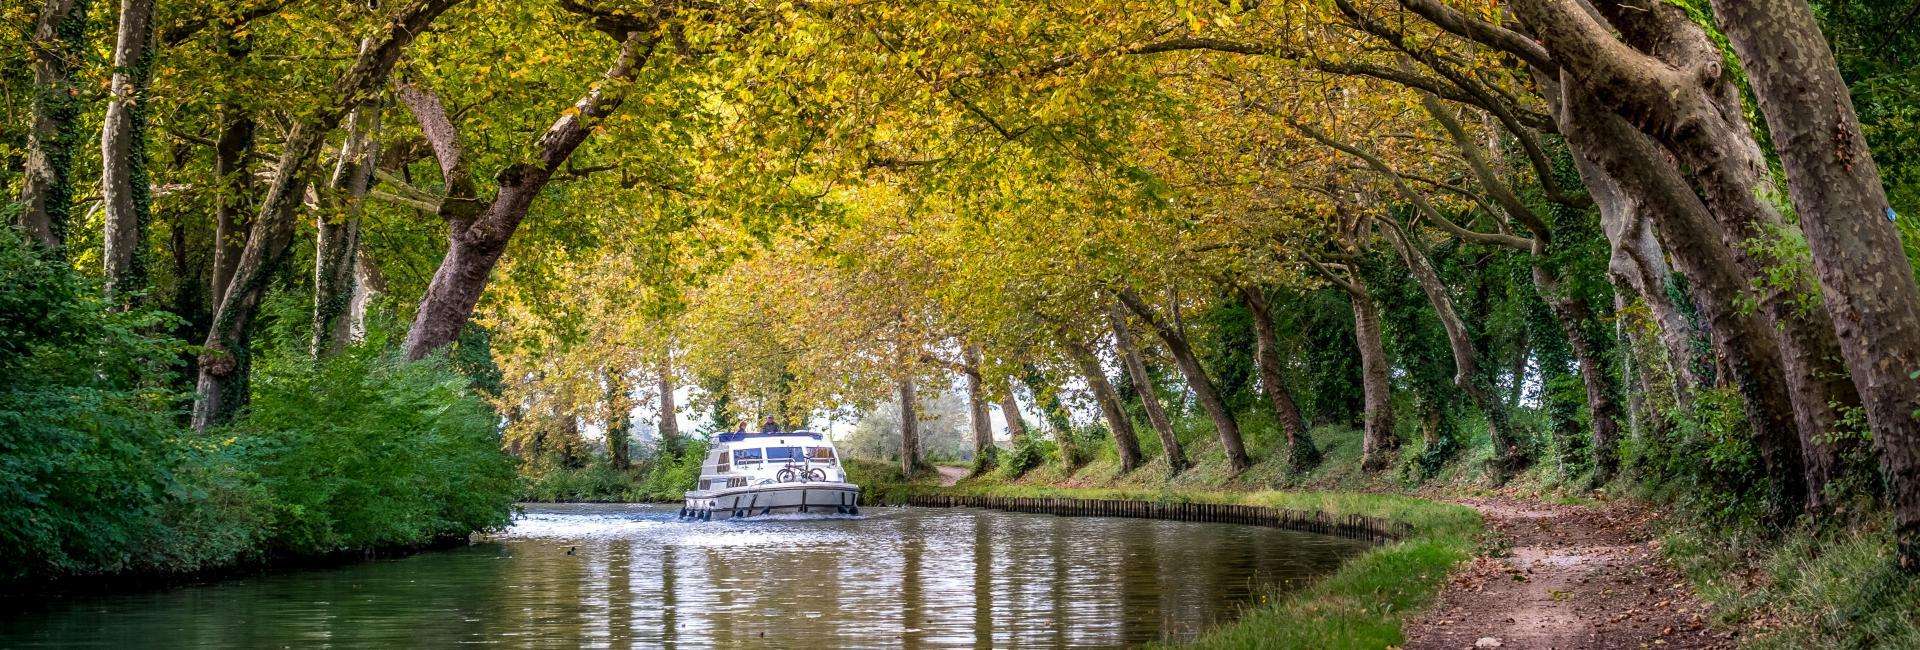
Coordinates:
[365,451]
[87,440]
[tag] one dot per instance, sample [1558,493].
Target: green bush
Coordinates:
[85,424]
[97,477]
[366,450]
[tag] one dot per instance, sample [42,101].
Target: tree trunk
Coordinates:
[1679,93]
[979,417]
[1508,457]
[909,429]
[1865,275]
[124,187]
[1654,186]
[1590,350]
[1640,268]
[224,367]
[1124,439]
[368,284]
[1301,454]
[1521,354]
[474,247]
[59,44]
[669,426]
[337,245]
[1379,442]
[231,157]
[1010,408]
[1143,387]
[1197,380]
[619,420]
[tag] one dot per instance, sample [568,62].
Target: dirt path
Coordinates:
[950,475]
[1575,577]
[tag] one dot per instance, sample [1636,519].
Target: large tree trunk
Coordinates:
[1379,441]
[1301,454]
[1197,380]
[474,245]
[337,245]
[124,187]
[979,418]
[1681,95]
[909,428]
[1864,274]
[224,365]
[1143,387]
[1640,268]
[1652,183]
[1124,440]
[46,192]
[1508,457]
[1010,408]
[231,157]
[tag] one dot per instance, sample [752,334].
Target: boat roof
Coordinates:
[743,437]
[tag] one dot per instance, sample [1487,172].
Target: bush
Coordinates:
[366,450]
[85,427]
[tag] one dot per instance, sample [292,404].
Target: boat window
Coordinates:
[783,453]
[721,467]
[820,454]
[746,456]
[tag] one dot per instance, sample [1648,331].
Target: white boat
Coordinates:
[777,472]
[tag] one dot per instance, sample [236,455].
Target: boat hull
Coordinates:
[783,498]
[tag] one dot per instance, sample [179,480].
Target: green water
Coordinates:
[639,577]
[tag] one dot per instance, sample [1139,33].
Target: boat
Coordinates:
[750,474]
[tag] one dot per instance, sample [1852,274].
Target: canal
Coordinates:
[591,575]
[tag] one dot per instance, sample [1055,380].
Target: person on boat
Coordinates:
[742,428]
[770,426]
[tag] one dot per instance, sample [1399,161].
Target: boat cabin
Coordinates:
[748,459]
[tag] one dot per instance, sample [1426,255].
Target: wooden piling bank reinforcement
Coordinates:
[1374,529]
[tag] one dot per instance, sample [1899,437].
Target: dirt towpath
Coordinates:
[949,475]
[1566,577]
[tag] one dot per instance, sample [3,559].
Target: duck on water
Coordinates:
[750,474]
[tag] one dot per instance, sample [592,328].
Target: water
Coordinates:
[639,577]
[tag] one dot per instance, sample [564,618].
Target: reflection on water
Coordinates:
[641,578]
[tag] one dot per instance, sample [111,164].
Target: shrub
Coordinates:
[366,450]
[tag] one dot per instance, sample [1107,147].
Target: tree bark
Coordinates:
[979,418]
[1508,457]
[619,420]
[1653,184]
[1010,408]
[1143,387]
[224,366]
[1124,439]
[474,246]
[59,44]
[1301,454]
[1590,350]
[1865,276]
[1197,380]
[337,245]
[1679,93]
[1379,442]
[909,429]
[669,426]
[124,187]
[232,156]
